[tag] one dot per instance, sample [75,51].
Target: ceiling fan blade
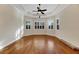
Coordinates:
[44,10]
[41,12]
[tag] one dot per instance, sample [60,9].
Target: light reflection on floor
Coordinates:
[39,43]
[50,45]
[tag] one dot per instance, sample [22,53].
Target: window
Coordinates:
[27,24]
[57,24]
[36,25]
[51,26]
[39,25]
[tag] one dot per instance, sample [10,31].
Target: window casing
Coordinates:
[51,26]
[57,24]
[39,25]
[28,26]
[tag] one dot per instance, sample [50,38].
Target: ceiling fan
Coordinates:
[40,10]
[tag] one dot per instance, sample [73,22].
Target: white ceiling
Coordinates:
[52,9]
[30,8]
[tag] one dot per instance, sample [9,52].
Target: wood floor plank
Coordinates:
[38,44]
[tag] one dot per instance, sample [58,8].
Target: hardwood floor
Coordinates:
[38,44]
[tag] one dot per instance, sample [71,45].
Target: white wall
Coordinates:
[10,22]
[34,31]
[69,25]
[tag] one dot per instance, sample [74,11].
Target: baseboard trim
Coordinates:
[34,34]
[8,44]
[67,43]
[70,45]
